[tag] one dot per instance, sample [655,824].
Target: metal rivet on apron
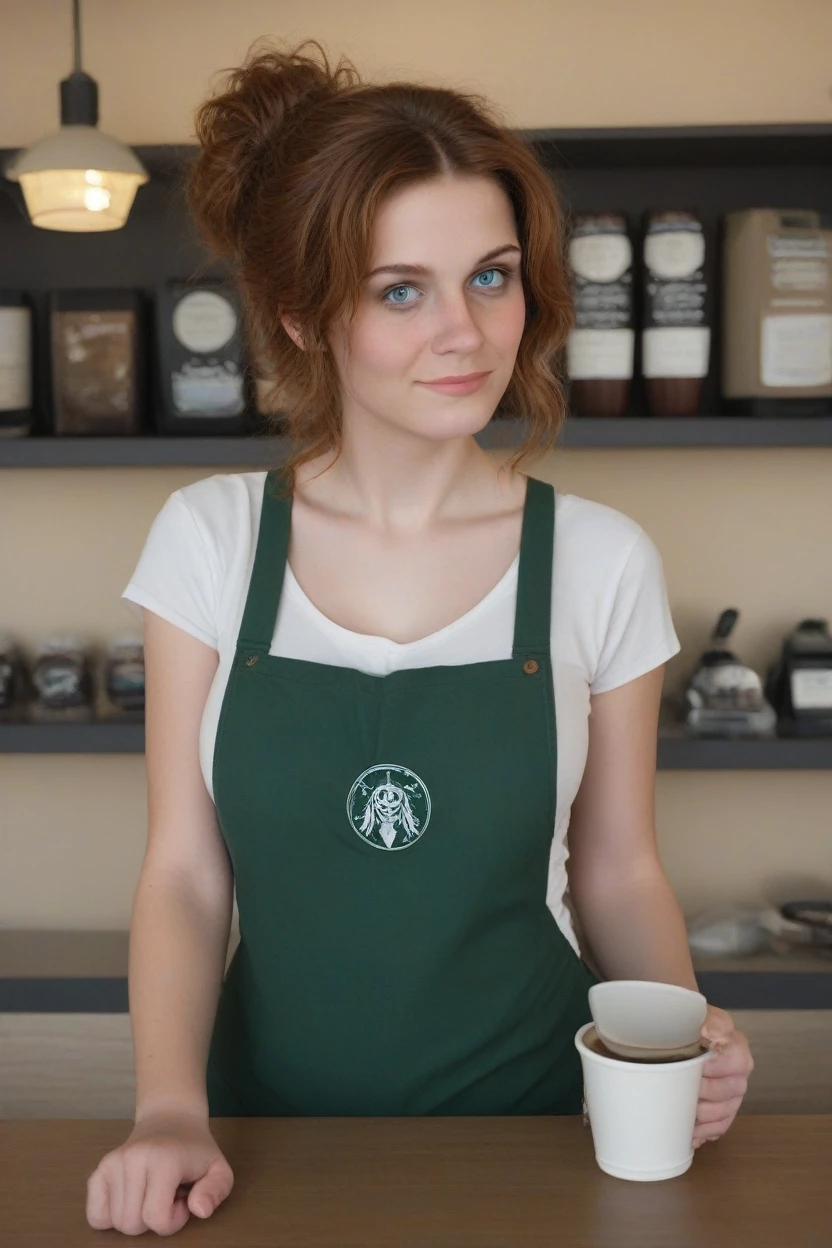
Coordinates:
[252,659]
[531,666]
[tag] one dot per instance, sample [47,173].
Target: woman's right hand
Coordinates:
[136,1187]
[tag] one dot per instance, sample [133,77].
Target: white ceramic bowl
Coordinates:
[643,1014]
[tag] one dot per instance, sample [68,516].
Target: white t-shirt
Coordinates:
[610,617]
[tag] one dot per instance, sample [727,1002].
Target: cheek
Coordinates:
[384,345]
[508,322]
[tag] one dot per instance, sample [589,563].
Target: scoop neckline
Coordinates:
[368,639]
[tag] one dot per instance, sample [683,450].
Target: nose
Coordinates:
[457,329]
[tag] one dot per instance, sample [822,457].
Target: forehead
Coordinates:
[445,222]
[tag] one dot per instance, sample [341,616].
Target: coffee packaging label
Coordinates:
[212,388]
[811,689]
[777,294]
[676,339]
[95,363]
[206,367]
[796,351]
[600,257]
[674,286]
[682,352]
[594,354]
[798,264]
[204,321]
[601,346]
[674,251]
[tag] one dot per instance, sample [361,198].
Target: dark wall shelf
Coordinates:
[730,990]
[699,431]
[715,169]
[100,737]
[686,146]
[85,972]
[142,452]
[633,432]
[767,990]
[676,751]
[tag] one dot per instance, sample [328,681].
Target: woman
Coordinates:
[354,672]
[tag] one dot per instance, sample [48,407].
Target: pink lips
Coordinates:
[467,383]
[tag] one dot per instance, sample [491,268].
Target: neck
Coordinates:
[400,483]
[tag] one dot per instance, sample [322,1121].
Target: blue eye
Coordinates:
[394,291]
[498,272]
[491,284]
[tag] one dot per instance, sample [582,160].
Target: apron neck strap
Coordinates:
[534,577]
[260,615]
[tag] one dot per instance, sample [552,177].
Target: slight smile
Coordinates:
[465,383]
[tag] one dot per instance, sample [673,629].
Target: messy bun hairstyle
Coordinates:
[295,157]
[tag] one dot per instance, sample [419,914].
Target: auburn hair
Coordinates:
[295,158]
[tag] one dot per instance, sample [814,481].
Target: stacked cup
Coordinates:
[642,1064]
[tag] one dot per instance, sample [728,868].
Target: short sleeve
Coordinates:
[175,577]
[640,633]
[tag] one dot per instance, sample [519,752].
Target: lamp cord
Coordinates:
[76,27]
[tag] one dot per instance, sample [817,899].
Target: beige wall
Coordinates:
[748,528]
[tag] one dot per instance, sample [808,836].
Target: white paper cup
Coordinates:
[642,1114]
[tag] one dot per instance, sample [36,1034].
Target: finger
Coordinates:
[710,1112]
[718,1025]
[212,1189]
[713,1131]
[98,1201]
[135,1185]
[164,1210]
[203,1204]
[723,1089]
[733,1061]
[115,1182]
[705,1131]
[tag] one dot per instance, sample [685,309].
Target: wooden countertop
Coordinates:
[513,1182]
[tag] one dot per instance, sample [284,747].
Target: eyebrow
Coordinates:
[419,270]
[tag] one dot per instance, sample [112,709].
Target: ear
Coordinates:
[292,330]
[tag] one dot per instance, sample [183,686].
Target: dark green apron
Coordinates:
[390,840]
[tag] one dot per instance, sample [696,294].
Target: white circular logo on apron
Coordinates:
[389,806]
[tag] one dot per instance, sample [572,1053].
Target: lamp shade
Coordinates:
[78,179]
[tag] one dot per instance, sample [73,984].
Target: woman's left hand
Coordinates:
[725,1076]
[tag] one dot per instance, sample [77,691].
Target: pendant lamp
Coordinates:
[78,178]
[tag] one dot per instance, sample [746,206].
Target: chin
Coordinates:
[454,421]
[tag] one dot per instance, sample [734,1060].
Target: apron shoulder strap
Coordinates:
[263,599]
[532,620]
[534,578]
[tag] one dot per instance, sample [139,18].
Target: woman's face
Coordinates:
[449,302]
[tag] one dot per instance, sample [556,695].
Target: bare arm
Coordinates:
[183,902]
[628,915]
